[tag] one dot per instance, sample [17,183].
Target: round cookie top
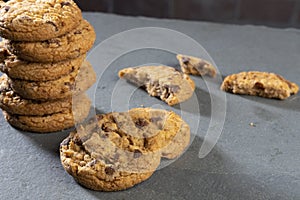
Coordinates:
[123,149]
[69,46]
[37,20]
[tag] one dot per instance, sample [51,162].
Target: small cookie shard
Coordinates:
[165,82]
[123,149]
[196,66]
[262,84]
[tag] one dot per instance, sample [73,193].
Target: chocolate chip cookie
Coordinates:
[196,66]
[14,104]
[66,86]
[262,84]
[38,20]
[49,123]
[121,150]
[164,82]
[69,46]
[33,71]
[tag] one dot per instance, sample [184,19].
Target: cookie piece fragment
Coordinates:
[164,82]
[196,66]
[69,46]
[264,84]
[49,123]
[38,20]
[66,86]
[33,71]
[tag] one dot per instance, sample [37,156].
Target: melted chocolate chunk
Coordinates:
[137,153]
[77,32]
[185,60]
[146,144]
[140,123]
[70,85]
[53,24]
[54,40]
[99,117]
[65,4]
[6,8]
[259,86]
[109,170]
[77,141]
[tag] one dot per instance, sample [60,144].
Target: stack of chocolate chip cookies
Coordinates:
[43,57]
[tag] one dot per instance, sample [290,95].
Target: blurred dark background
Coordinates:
[275,13]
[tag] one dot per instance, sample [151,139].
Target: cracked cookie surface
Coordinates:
[33,71]
[74,83]
[69,46]
[37,20]
[123,149]
[164,82]
[264,84]
[196,66]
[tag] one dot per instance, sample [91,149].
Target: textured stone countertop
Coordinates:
[248,162]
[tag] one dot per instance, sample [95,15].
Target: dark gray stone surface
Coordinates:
[260,162]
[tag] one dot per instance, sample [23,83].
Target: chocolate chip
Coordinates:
[137,153]
[167,92]
[70,85]
[259,86]
[104,136]
[141,123]
[65,142]
[53,24]
[78,32]
[77,141]
[109,170]
[105,127]
[26,18]
[146,144]
[185,60]
[54,40]
[99,117]
[155,119]
[6,8]
[65,4]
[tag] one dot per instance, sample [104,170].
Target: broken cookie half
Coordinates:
[164,82]
[196,66]
[264,84]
